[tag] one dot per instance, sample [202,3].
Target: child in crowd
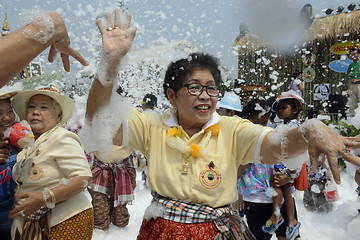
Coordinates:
[314,198]
[229,105]
[254,180]
[8,154]
[296,84]
[287,107]
[257,111]
[319,113]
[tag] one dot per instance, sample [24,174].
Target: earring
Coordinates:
[173,109]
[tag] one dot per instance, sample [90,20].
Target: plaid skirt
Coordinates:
[186,220]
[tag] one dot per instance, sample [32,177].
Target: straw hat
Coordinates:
[230,101]
[287,95]
[21,100]
[8,95]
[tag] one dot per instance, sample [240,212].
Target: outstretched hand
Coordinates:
[324,140]
[117,38]
[62,44]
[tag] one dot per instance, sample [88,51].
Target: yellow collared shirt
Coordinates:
[211,179]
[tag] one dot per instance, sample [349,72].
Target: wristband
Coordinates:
[53,199]
[48,193]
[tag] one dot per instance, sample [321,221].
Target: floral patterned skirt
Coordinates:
[165,229]
[79,226]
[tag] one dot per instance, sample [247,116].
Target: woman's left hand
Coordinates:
[116,37]
[324,140]
[31,202]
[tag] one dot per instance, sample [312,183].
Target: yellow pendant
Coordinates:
[185,168]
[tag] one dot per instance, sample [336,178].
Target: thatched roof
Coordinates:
[247,44]
[334,27]
[343,26]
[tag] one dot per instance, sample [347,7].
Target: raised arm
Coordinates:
[315,137]
[29,41]
[116,41]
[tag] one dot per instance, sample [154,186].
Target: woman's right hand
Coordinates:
[60,42]
[31,202]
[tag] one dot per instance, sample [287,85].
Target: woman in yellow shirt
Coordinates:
[193,155]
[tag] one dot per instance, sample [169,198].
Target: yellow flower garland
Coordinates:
[213,130]
[194,150]
[174,132]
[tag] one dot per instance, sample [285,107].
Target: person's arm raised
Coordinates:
[29,41]
[116,41]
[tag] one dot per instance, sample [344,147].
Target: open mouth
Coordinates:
[203,107]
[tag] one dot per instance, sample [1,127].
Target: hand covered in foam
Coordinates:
[116,41]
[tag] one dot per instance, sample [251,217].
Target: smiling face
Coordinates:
[7,116]
[41,114]
[194,111]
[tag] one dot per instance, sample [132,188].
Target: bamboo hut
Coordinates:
[259,65]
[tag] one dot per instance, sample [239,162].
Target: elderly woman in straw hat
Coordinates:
[51,173]
[8,154]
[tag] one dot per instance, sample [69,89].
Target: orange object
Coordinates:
[331,195]
[301,182]
[19,135]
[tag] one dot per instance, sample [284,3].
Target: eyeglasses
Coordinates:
[196,89]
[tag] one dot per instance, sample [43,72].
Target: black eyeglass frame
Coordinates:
[202,89]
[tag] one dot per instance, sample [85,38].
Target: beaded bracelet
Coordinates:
[44,197]
[48,193]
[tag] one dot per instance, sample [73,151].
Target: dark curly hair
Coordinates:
[177,72]
[250,110]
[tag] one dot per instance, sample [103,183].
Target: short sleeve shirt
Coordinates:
[354,70]
[212,177]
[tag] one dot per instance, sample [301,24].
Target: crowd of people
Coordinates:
[216,169]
